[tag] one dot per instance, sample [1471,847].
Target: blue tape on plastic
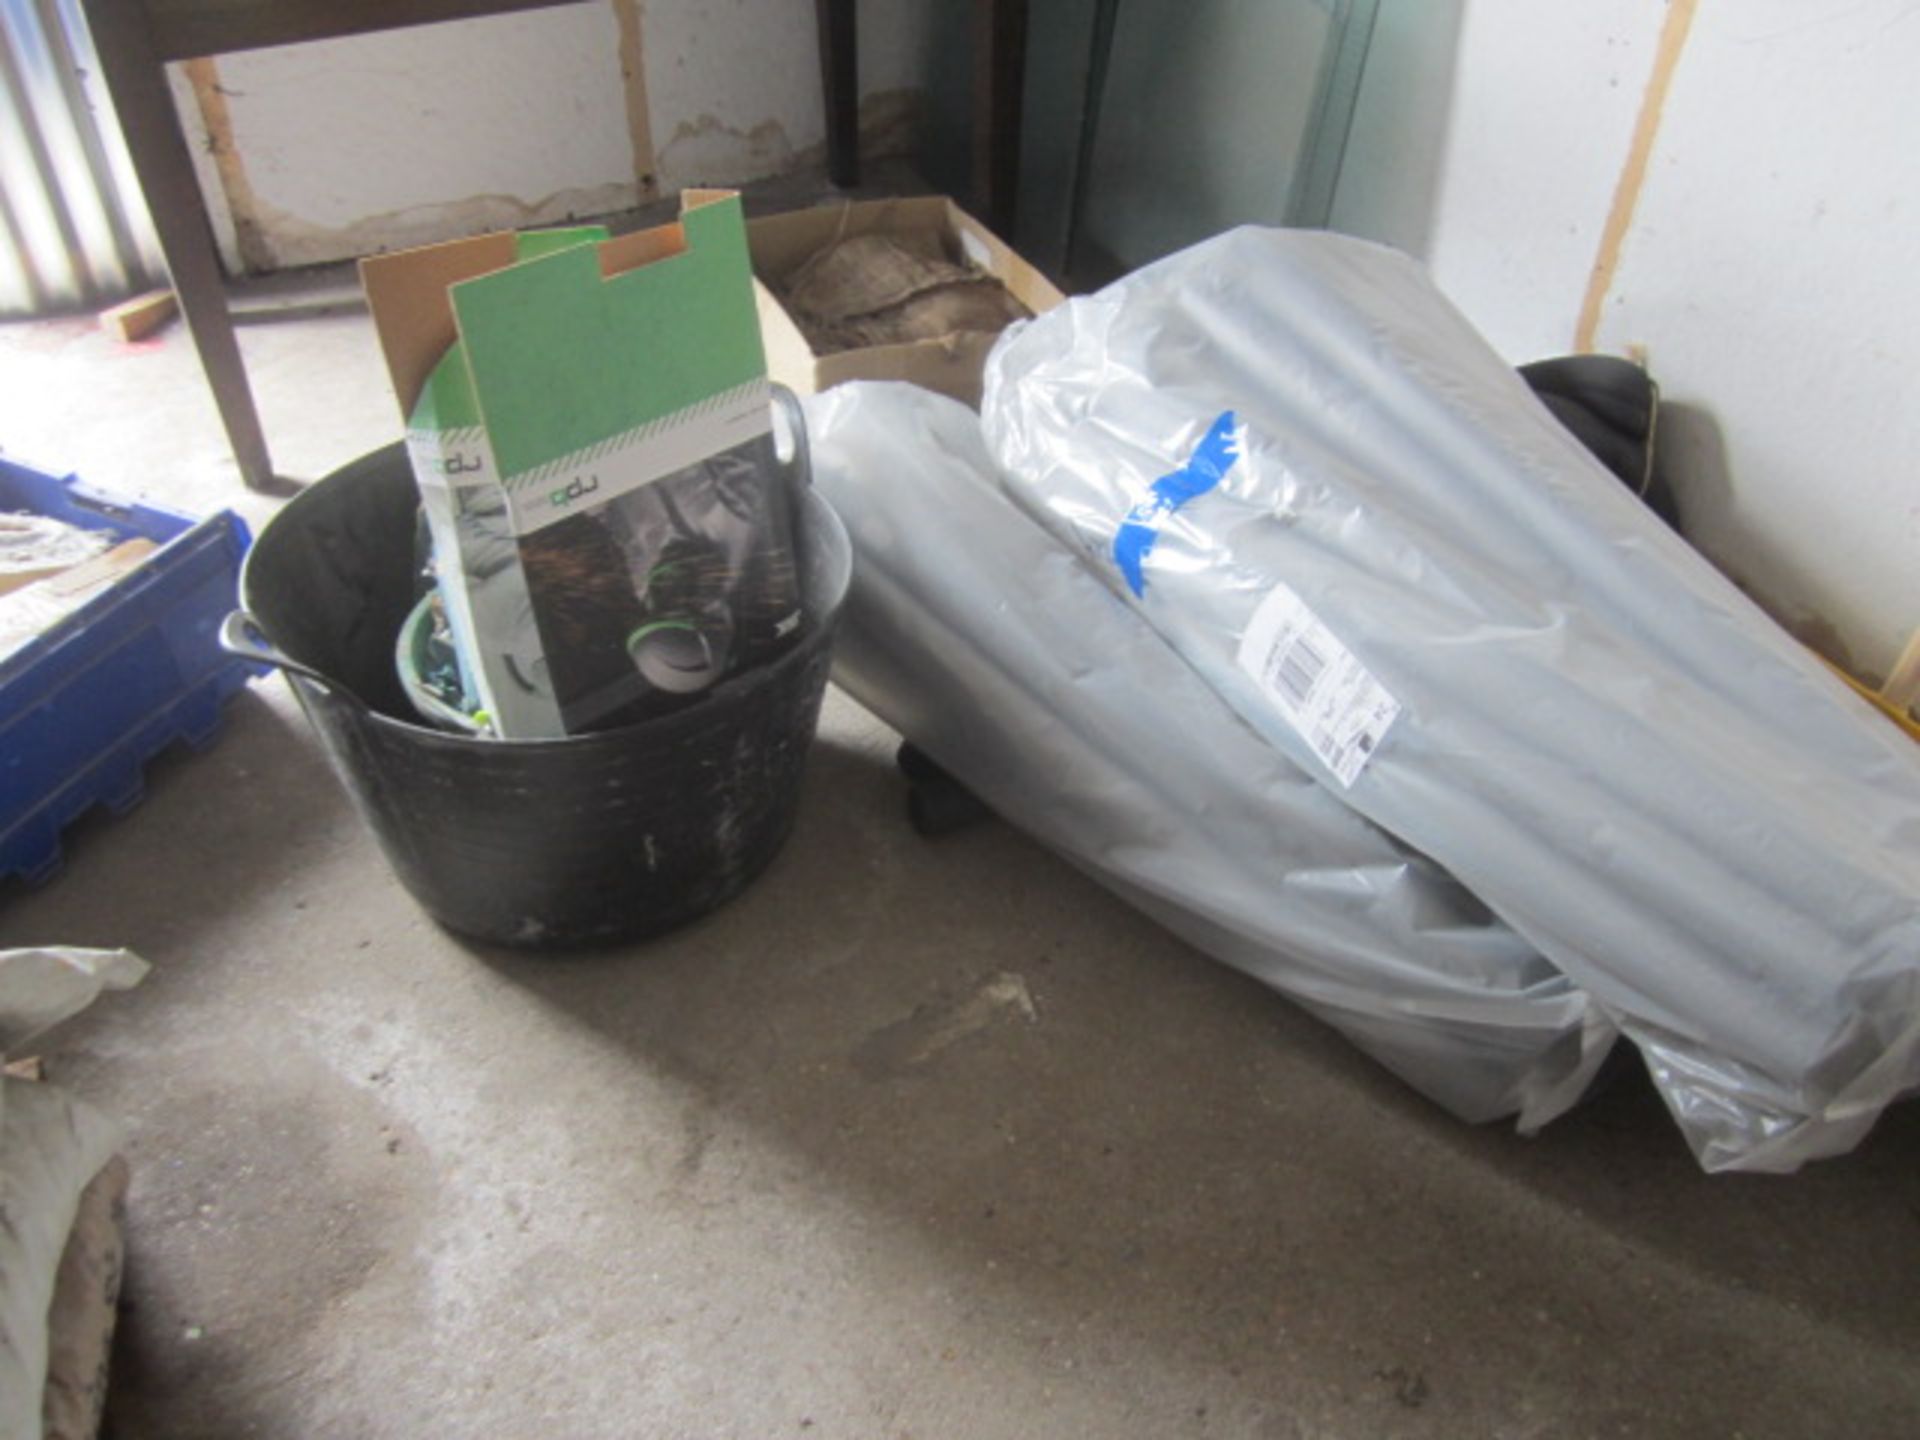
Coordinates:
[1212,458]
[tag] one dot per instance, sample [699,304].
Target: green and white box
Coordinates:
[611,528]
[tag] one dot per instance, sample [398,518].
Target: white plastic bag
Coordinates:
[981,638]
[1316,480]
[51,1146]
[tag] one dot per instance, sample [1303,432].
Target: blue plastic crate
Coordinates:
[85,705]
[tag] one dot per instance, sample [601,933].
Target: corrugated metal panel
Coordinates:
[73,230]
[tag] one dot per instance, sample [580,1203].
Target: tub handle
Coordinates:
[799,465]
[241,635]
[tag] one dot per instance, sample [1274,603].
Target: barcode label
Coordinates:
[1301,667]
[1330,699]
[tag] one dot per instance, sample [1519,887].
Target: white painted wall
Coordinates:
[1768,269]
[412,135]
[733,86]
[1487,140]
[213,194]
[1773,274]
[409,136]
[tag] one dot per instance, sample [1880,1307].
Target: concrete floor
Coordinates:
[815,1167]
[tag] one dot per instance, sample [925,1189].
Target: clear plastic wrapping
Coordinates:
[1317,482]
[981,638]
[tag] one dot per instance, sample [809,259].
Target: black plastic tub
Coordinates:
[545,844]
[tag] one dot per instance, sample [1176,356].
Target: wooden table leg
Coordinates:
[138,83]
[999,75]
[840,80]
[1106,15]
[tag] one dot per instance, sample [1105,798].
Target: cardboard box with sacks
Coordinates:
[907,289]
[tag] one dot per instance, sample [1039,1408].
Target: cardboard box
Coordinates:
[780,244]
[588,420]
